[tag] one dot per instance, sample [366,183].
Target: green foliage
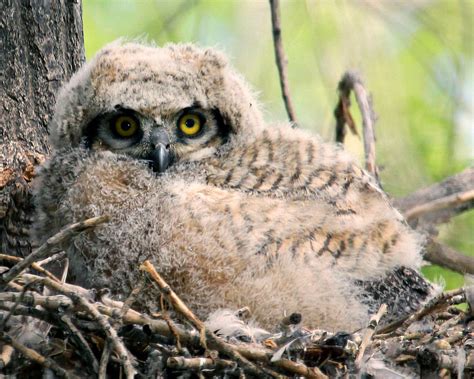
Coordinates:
[416,58]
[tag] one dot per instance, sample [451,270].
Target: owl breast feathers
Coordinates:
[170,142]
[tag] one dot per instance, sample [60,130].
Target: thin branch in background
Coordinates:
[47,248]
[281,60]
[450,201]
[456,184]
[352,82]
[446,256]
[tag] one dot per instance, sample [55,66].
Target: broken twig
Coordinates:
[373,323]
[352,81]
[47,248]
[33,355]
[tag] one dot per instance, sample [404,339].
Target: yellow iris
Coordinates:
[189,124]
[125,126]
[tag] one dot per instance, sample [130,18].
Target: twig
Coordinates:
[299,369]
[47,248]
[352,81]
[450,201]
[373,323]
[462,182]
[16,303]
[182,363]
[446,256]
[101,319]
[33,299]
[6,355]
[35,266]
[130,299]
[210,338]
[170,323]
[33,355]
[177,303]
[81,341]
[52,258]
[442,300]
[281,60]
[104,359]
[342,113]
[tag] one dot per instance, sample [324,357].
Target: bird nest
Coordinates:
[50,326]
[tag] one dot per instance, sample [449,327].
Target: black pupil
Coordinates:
[189,123]
[125,125]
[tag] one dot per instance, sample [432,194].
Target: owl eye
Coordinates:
[190,124]
[125,126]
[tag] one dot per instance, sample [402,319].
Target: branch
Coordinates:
[281,60]
[451,201]
[446,256]
[181,363]
[373,323]
[234,352]
[343,115]
[352,82]
[180,307]
[33,355]
[111,333]
[47,248]
[35,266]
[459,183]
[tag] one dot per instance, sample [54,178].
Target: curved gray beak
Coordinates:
[160,156]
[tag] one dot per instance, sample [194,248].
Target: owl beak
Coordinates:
[160,158]
[160,155]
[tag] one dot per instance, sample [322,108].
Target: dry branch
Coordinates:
[448,332]
[182,363]
[281,60]
[35,266]
[373,323]
[352,82]
[81,341]
[33,355]
[446,256]
[47,248]
[111,333]
[456,184]
[104,359]
[442,300]
[206,336]
[450,201]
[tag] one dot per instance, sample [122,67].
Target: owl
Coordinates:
[170,142]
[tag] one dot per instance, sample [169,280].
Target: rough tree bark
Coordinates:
[41,46]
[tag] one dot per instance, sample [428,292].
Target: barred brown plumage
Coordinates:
[243,213]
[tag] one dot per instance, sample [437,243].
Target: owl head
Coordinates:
[160,104]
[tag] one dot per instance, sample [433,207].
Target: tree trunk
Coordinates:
[41,47]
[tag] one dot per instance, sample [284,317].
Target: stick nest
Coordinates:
[69,331]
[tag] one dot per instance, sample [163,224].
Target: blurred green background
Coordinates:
[416,57]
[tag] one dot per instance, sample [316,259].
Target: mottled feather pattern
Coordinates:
[249,213]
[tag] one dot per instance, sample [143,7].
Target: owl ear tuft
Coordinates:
[214,58]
